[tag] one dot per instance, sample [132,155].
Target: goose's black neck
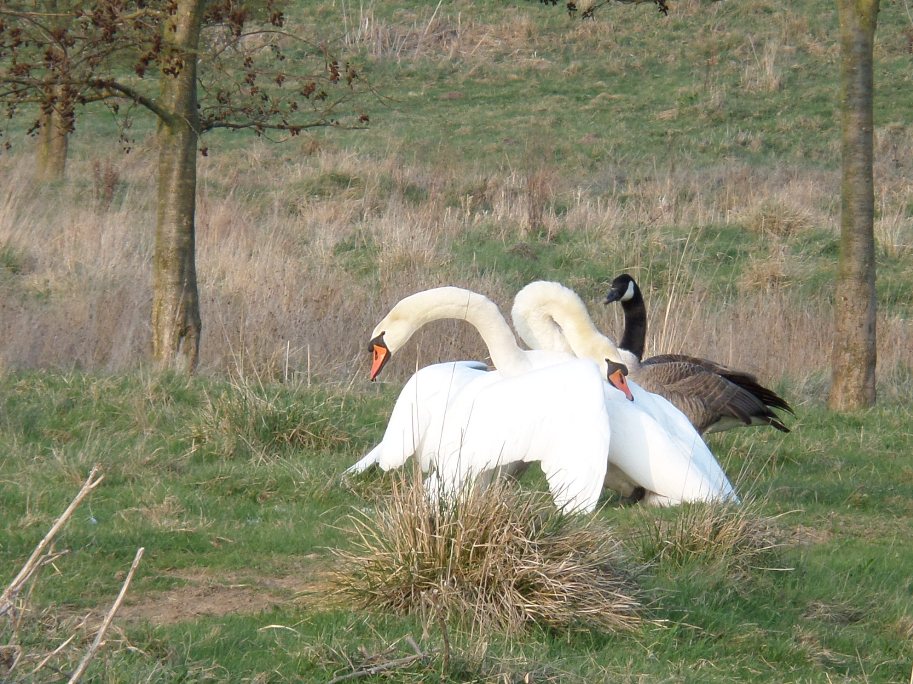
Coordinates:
[635,333]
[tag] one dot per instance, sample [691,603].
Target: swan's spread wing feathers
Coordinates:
[418,408]
[367,461]
[555,416]
[676,464]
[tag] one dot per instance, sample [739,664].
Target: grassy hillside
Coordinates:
[508,143]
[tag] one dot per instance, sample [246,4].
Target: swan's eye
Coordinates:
[379,340]
[615,366]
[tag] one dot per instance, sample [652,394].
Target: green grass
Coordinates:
[259,503]
[645,88]
[234,488]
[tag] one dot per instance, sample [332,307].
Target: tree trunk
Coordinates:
[57,117]
[853,355]
[176,322]
[53,142]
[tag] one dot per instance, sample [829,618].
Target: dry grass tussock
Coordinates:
[499,558]
[256,421]
[737,538]
[430,33]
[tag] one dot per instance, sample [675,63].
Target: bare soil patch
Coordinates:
[206,592]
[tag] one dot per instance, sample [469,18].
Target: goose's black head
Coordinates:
[623,289]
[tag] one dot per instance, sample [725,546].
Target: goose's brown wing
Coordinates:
[746,381]
[710,401]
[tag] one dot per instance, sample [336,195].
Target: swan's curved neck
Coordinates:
[634,337]
[551,316]
[441,303]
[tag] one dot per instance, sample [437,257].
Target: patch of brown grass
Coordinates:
[493,558]
[762,73]
[203,592]
[778,219]
[298,260]
[734,536]
[893,225]
[766,272]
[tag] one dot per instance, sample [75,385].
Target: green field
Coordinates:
[508,143]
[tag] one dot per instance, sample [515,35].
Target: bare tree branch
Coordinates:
[93,649]
[132,94]
[8,598]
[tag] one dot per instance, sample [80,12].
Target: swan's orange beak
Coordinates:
[380,355]
[617,377]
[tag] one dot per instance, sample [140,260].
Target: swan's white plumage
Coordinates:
[553,415]
[426,394]
[653,443]
[538,406]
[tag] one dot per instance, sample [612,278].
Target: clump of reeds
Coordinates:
[777,218]
[499,557]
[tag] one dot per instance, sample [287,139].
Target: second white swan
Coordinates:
[664,454]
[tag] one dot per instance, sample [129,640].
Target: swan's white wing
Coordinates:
[424,397]
[682,433]
[369,460]
[660,462]
[555,416]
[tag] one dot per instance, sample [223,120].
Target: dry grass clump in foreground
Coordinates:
[736,537]
[499,558]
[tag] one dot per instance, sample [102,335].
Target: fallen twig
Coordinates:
[50,655]
[8,597]
[84,663]
[380,667]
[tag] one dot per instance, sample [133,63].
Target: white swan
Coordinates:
[664,454]
[538,406]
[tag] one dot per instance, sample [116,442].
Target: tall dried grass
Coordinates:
[293,277]
[893,224]
[762,72]
[496,558]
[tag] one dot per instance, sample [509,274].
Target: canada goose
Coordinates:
[543,407]
[538,406]
[550,316]
[713,396]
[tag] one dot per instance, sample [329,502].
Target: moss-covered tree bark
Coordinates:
[853,355]
[176,322]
